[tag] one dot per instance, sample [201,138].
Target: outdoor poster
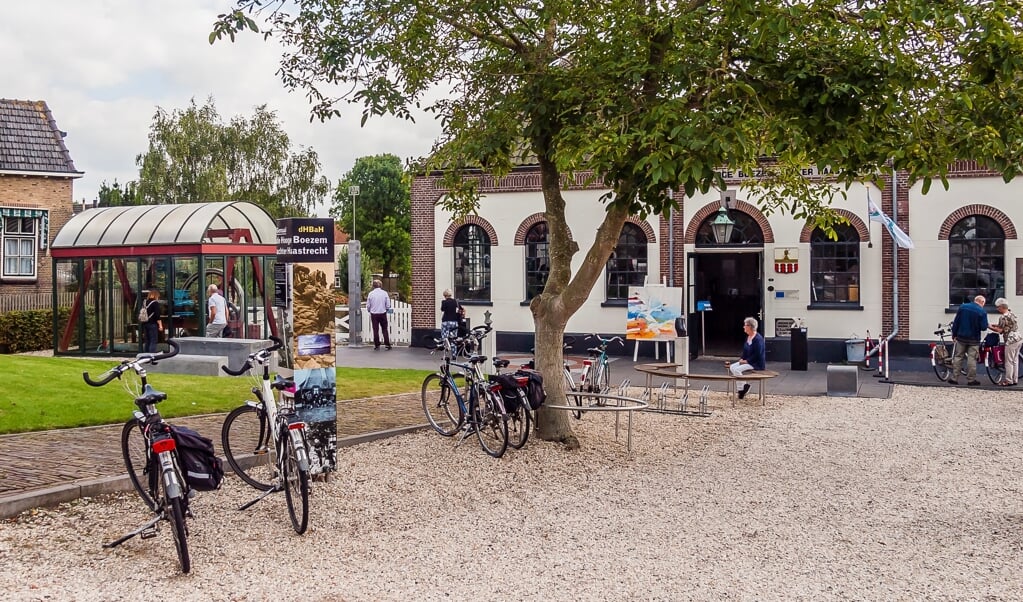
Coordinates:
[308,245]
[652,311]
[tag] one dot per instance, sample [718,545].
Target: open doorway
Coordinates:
[733,284]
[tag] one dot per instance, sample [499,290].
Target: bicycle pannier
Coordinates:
[509,391]
[203,469]
[534,391]
[940,353]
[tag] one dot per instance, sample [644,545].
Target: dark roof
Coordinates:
[30,140]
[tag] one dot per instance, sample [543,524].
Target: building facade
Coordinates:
[779,269]
[36,179]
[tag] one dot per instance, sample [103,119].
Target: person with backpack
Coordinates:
[149,320]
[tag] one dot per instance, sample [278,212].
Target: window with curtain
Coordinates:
[976,260]
[538,261]
[835,266]
[20,241]
[472,264]
[628,263]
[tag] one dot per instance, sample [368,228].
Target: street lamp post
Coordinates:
[353,191]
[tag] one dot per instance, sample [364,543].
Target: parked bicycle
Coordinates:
[512,388]
[596,373]
[566,370]
[992,354]
[989,353]
[265,441]
[150,455]
[479,410]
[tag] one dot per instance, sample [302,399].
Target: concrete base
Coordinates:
[843,381]
[199,365]
[235,350]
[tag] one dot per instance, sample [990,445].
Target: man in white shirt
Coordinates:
[378,304]
[218,312]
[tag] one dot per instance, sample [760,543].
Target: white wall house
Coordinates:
[776,268]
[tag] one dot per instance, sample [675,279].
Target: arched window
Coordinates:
[472,264]
[538,262]
[745,231]
[976,260]
[835,266]
[627,265]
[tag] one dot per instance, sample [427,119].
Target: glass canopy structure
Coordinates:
[106,260]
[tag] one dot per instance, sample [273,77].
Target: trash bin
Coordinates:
[855,350]
[799,350]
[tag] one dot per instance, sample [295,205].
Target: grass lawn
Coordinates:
[41,393]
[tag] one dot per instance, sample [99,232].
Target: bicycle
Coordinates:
[512,388]
[943,353]
[478,411]
[600,380]
[150,456]
[265,442]
[992,354]
[566,371]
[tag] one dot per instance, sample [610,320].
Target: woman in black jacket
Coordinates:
[450,315]
[153,324]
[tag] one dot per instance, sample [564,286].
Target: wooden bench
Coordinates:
[669,371]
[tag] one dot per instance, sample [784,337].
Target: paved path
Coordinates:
[53,466]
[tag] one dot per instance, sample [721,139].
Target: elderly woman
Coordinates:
[1008,326]
[449,315]
[754,355]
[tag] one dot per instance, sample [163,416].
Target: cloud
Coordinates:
[105,66]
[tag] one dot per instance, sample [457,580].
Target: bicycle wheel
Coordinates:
[519,423]
[570,386]
[995,371]
[440,405]
[248,446]
[174,512]
[938,359]
[604,379]
[135,450]
[490,425]
[296,484]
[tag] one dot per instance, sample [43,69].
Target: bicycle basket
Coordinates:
[940,353]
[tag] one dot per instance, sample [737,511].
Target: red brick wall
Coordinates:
[887,264]
[54,194]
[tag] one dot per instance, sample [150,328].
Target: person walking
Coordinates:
[153,325]
[450,314]
[754,356]
[378,304]
[218,312]
[967,326]
[1008,326]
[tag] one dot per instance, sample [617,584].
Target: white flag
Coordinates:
[898,235]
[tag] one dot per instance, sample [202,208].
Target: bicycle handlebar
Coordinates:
[133,364]
[259,356]
[604,342]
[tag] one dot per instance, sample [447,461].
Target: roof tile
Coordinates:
[30,139]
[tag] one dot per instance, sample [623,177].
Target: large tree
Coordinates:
[194,156]
[381,218]
[655,95]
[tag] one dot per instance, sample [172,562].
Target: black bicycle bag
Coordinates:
[203,469]
[535,392]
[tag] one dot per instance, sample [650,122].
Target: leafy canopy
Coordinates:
[193,156]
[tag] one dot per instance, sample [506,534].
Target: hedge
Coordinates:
[28,330]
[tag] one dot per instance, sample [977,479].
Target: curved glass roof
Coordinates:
[188,223]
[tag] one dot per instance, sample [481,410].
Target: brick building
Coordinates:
[36,179]
[775,267]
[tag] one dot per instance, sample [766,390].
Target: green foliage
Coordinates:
[30,330]
[194,156]
[115,196]
[382,211]
[366,271]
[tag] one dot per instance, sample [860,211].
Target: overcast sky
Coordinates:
[104,66]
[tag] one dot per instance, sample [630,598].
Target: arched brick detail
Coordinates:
[645,227]
[449,236]
[1003,220]
[712,208]
[529,222]
[854,221]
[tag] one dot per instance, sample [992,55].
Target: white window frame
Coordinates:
[7,236]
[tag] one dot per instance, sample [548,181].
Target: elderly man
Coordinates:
[969,323]
[378,304]
[217,314]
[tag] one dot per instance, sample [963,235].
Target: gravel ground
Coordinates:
[916,498]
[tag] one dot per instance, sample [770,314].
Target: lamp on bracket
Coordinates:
[723,224]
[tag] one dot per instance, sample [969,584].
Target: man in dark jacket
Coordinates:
[969,323]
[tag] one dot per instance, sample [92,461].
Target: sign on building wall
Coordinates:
[652,312]
[786,260]
[307,245]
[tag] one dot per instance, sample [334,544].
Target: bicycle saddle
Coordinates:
[501,363]
[939,332]
[477,359]
[595,350]
[150,395]
[282,383]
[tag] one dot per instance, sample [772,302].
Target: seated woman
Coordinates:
[754,355]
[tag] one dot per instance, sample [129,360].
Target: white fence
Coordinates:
[399,324]
[34,301]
